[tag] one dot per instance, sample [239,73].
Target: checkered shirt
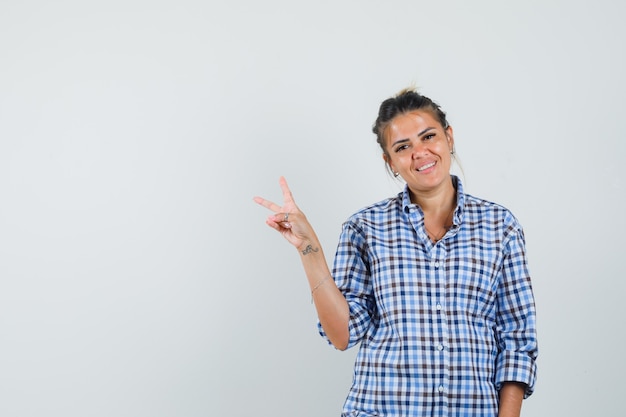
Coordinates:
[440,326]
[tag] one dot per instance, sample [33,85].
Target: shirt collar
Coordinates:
[460,200]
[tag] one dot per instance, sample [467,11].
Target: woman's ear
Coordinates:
[388,162]
[450,136]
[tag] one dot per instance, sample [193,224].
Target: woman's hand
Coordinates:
[288,219]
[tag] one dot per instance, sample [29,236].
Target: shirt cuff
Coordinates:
[516,367]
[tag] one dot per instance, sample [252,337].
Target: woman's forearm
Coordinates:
[331,305]
[511,396]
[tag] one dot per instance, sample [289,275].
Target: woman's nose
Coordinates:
[418,150]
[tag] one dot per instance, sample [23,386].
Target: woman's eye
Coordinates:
[401,148]
[429,136]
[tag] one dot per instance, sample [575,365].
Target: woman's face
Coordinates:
[418,148]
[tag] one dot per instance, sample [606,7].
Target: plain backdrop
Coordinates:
[137,276]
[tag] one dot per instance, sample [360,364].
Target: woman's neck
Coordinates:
[436,202]
[437,206]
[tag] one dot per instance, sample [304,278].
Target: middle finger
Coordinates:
[268,204]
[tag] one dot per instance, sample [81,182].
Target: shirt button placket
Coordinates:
[441,353]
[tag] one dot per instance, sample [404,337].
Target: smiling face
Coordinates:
[418,148]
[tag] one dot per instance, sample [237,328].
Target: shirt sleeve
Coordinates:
[352,275]
[516,318]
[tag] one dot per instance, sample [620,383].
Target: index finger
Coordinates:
[287,196]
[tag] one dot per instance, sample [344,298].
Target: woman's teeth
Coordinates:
[423,167]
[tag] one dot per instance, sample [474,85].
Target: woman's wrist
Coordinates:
[309,247]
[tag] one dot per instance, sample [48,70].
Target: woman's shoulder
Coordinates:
[477,208]
[379,211]
[382,206]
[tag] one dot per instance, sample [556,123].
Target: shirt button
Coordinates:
[440,389]
[438,307]
[436,264]
[440,347]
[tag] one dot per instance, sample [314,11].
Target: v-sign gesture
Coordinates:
[288,219]
[332,307]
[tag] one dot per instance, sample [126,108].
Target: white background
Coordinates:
[137,277]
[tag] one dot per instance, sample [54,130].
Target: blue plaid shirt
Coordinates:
[441,325]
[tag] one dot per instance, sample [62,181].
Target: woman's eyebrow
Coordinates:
[425,131]
[399,141]
[428,129]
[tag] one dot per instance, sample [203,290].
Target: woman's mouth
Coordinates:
[425,167]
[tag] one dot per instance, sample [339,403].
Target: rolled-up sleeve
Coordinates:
[352,276]
[516,331]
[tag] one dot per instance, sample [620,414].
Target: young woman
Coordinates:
[432,283]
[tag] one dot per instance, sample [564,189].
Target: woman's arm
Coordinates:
[511,396]
[516,322]
[332,307]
